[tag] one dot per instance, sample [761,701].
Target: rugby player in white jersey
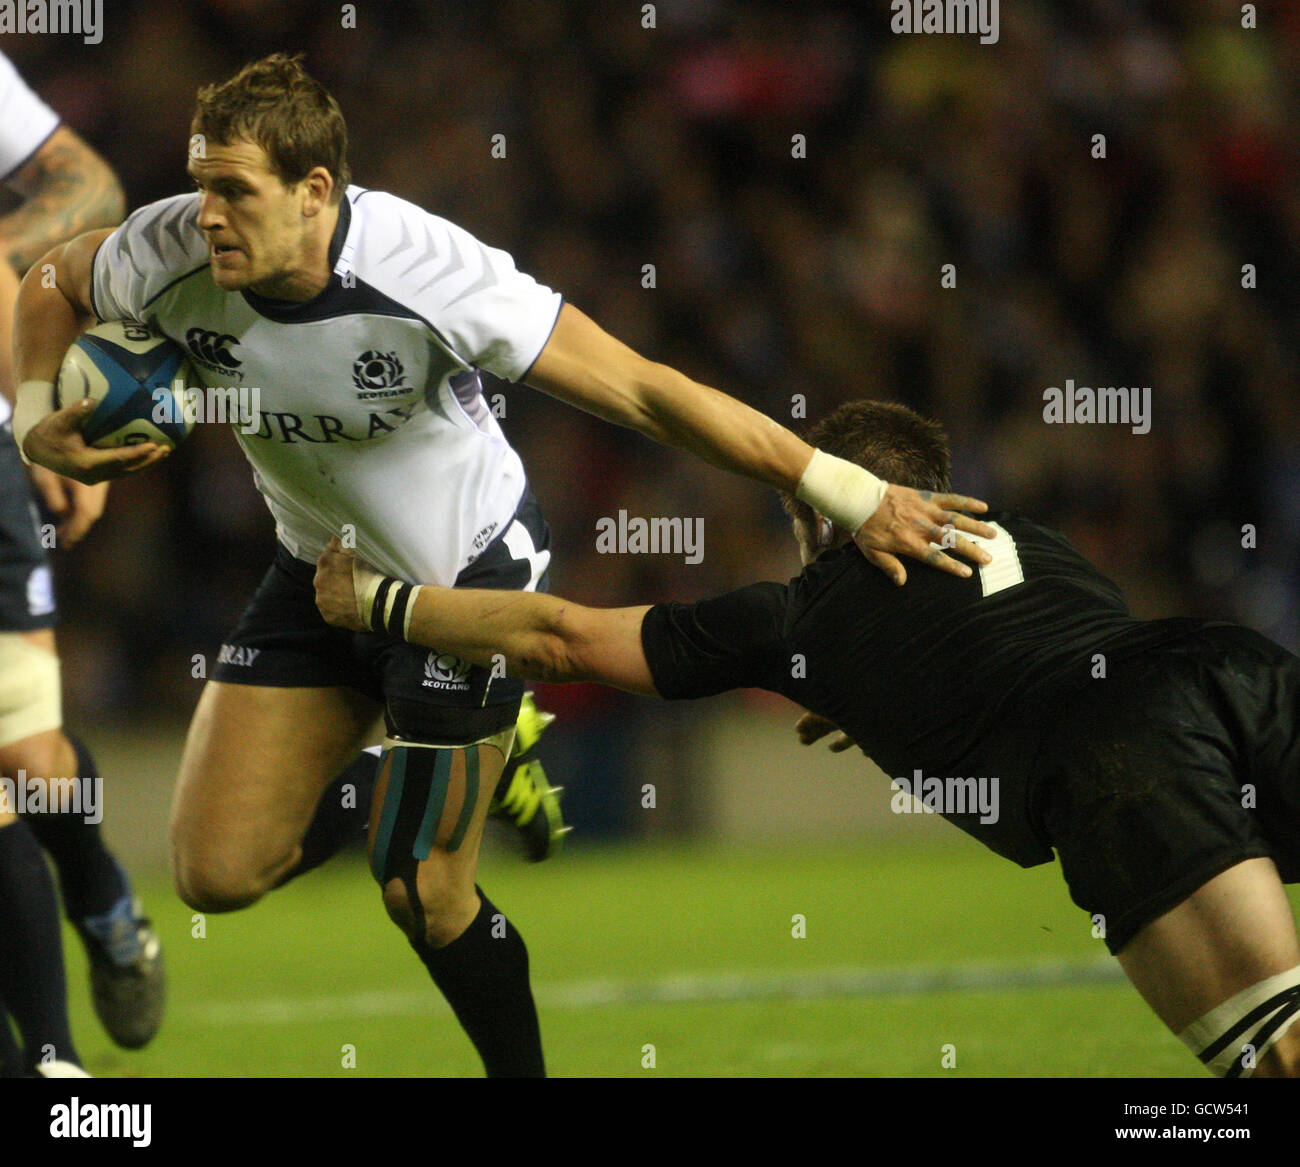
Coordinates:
[65,188]
[363,319]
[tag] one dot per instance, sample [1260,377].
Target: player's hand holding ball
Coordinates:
[56,442]
[119,404]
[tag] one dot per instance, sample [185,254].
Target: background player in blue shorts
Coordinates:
[66,188]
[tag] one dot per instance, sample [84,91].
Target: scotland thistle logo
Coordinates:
[444,670]
[377,374]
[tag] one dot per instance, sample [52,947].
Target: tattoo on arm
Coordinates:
[67,189]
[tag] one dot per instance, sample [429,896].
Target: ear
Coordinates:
[318,185]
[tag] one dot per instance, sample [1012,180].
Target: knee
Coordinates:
[206,883]
[429,907]
[402,904]
[43,755]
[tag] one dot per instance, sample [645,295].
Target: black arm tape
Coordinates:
[392,598]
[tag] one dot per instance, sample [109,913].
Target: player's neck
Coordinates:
[312,274]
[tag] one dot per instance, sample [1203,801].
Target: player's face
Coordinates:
[259,230]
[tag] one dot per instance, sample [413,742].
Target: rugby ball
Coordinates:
[137,378]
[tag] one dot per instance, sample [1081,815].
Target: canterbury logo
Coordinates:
[212,349]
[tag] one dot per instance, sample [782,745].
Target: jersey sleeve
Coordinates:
[156,245]
[732,641]
[486,312]
[25,120]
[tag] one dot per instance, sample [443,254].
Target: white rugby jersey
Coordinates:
[371,411]
[26,122]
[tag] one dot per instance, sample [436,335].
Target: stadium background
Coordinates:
[774,276]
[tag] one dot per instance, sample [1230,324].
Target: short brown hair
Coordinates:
[276,104]
[889,440]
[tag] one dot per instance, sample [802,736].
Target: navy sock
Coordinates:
[342,815]
[32,983]
[91,881]
[483,973]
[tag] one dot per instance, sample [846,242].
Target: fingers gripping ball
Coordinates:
[137,378]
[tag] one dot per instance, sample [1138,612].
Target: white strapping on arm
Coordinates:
[846,494]
[365,583]
[33,402]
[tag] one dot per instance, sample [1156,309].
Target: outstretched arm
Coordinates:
[537,637]
[585,366]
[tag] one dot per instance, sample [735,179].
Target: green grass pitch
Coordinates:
[694,952]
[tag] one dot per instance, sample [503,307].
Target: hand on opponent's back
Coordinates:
[923,525]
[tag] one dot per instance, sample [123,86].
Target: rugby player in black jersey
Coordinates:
[1160,758]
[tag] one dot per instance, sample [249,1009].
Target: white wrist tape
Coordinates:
[846,494]
[365,583]
[384,604]
[33,401]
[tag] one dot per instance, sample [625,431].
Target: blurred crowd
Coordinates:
[798,176]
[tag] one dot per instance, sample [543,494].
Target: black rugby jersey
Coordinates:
[956,678]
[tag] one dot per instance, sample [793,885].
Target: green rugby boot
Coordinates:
[523,796]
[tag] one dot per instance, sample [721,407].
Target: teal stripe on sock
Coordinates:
[471,799]
[433,808]
[388,819]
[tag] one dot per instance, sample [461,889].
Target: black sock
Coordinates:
[341,815]
[90,881]
[483,973]
[32,984]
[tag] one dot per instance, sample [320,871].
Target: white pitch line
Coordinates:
[684,988]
